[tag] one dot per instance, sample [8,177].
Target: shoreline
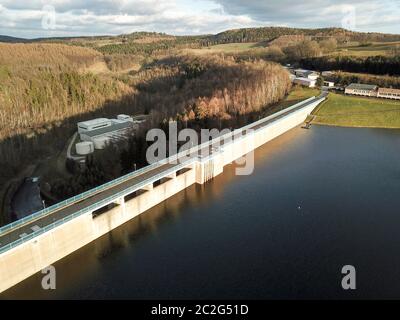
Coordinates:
[356,127]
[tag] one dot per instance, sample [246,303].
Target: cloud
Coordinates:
[96,17]
[369,15]
[102,7]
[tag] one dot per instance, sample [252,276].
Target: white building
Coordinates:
[305,82]
[94,124]
[329,84]
[101,131]
[360,89]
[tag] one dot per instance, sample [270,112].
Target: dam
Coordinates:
[31,244]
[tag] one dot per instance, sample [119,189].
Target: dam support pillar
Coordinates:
[209,168]
[149,187]
[168,177]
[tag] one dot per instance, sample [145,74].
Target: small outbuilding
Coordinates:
[84,148]
[329,84]
[305,82]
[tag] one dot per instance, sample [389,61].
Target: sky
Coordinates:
[51,18]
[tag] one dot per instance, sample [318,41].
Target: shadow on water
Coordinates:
[91,259]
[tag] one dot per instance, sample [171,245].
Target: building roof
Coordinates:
[388,90]
[360,86]
[94,122]
[301,70]
[115,126]
[306,72]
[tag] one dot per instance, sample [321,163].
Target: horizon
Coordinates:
[182,35]
[71,18]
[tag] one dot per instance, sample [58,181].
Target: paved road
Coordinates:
[27,199]
[32,226]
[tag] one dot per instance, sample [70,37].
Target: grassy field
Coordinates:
[298,94]
[352,49]
[226,48]
[370,49]
[349,111]
[234,47]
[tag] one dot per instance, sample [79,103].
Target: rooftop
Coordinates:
[360,86]
[301,70]
[94,121]
[115,126]
[389,90]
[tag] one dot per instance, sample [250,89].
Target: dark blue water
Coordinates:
[319,199]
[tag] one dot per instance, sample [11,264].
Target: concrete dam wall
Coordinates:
[29,257]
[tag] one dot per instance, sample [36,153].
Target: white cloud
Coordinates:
[371,15]
[94,17]
[75,17]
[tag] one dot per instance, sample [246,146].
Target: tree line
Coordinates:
[345,78]
[379,65]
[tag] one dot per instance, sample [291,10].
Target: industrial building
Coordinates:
[304,77]
[302,73]
[359,89]
[97,133]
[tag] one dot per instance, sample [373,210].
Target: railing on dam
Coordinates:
[133,174]
[94,206]
[189,154]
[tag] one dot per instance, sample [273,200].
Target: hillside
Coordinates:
[288,40]
[43,85]
[153,43]
[270,33]
[46,88]
[12,39]
[36,55]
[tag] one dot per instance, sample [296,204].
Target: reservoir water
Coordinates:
[318,199]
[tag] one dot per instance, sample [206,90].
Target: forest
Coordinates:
[346,78]
[380,65]
[269,33]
